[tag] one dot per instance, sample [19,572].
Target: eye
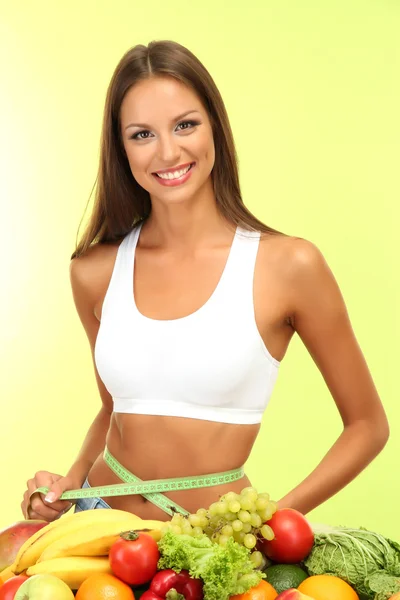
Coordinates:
[135,136]
[191,124]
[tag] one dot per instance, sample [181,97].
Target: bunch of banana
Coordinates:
[75,546]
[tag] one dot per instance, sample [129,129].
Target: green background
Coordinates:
[313,94]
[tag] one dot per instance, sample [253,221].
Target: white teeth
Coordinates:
[174,175]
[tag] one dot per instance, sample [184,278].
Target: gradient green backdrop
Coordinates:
[313,94]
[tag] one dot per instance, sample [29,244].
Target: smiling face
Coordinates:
[165,127]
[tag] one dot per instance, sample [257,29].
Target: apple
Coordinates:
[12,538]
[293,594]
[44,587]
[8,589]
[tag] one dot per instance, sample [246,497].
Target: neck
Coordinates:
[183,224]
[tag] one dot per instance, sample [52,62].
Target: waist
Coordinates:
[158,447]
[171,484]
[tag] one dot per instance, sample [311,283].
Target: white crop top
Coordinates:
[211,364]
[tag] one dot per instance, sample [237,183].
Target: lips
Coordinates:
[178,168]
[175,181]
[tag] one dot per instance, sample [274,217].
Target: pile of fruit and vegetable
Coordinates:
[240,548]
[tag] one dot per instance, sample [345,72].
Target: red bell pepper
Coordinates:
[169,585]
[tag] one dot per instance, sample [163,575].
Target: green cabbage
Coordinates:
[354,555]
[383,584]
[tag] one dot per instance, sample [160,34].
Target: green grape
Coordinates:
[230,516]
[247,527]
[250,540]
[177,519]
[165,528]
[197,531]
[230,497]
[247,503]
[257,558]
[202,512]
[214,521]
[253,496]
[269,511]
[265,514]
[255,520]
[244,516]
[187,528]
[248,490]
[176,529]
[261,503]
[195,520]
[234,506]
[239,536]
[223,540]
[213,510]
[227,530]
[203,521]
[267,532]
[246,581]
[222,507]
[273,505]
[237,525]
[263,496]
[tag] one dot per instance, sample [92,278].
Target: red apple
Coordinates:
[293,594]
[10,587]
[12,538]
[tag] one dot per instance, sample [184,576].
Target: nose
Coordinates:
[168,149]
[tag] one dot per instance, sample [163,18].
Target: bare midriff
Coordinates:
[158,447]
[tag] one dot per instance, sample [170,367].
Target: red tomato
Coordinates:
[134,557]
[9,587]
[293,540]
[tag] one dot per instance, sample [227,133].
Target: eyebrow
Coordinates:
[173,120]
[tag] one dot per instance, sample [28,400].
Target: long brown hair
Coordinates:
[120,202]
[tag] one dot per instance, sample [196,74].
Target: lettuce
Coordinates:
[225,571]
[354,555]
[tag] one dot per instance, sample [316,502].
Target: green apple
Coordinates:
[44,587]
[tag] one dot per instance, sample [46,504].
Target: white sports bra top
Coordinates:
[211,364]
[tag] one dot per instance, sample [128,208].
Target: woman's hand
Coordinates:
[51,509]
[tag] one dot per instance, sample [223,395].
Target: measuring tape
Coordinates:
[150,489]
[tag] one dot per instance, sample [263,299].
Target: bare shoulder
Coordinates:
[295,261]
[296,269]
[291,255]
[91,272]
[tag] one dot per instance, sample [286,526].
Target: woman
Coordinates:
[189,304]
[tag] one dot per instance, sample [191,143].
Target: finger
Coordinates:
[52,498]
[25,503]
[24,510]
[36,500]
[33,515]
[45,511]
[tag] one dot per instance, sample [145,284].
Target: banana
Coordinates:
[97,539]
[73,570]
[31,550]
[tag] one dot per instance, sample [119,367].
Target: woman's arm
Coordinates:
[93,445]
[320,317]
[84,293]
[83,276]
